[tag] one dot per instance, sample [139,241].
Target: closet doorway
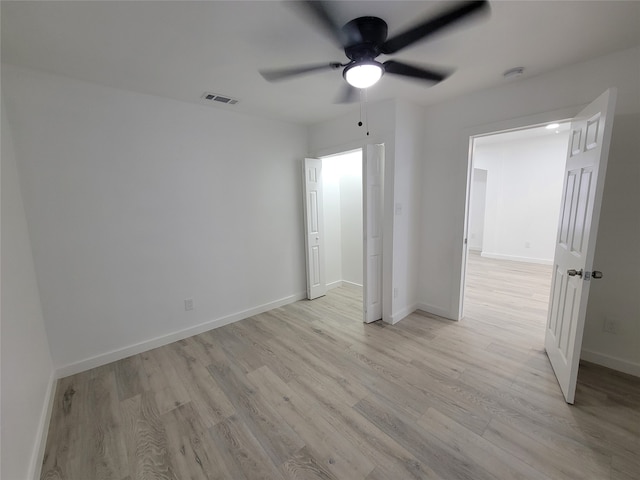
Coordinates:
[343,205]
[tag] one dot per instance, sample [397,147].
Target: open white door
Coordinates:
[314,221]
[576,238]
[372,223]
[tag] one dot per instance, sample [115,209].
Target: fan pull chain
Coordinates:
[363,105]
[366,116]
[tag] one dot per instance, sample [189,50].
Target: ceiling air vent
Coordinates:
[214,97]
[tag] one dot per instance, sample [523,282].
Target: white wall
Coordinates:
[407,190]
[351,218]
[135,203]
[447,130]
[523,194]
[617,295]
[27,370]
[343,133]
[332,224]
[477,208]
[342,189]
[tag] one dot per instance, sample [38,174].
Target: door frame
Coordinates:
[387,219]
[520,123]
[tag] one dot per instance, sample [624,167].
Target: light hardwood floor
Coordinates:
[308,391]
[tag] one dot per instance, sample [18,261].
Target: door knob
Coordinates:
[573,273]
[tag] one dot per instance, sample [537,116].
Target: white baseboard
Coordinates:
[342,283]
[35,467]
[433,310]
[119,354]
[515,258]
[613,363]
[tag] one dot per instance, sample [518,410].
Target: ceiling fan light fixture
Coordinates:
[363,74]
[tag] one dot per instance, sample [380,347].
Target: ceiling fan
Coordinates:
[365,38]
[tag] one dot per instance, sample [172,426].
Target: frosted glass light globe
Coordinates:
[363,75]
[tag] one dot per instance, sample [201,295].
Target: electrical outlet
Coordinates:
[188,304]
[610,326]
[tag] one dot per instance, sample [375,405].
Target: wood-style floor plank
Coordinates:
[131,379]
[146,440]
[242,453]
[304,466]
[308,391]
[278,440]
[103,437]
[191,447]
[203,392]
[482,452]
[425,446]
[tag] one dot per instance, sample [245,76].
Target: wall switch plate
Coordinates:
[188,304]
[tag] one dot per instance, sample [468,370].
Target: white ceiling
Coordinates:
[180,49]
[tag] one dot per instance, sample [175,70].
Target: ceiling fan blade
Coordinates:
[275,75]
[459,12]
[399,68]
[323,13]
[348,94]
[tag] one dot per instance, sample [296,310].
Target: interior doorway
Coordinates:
[515,191]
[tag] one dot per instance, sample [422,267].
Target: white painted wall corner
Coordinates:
[438,311]
[403,313]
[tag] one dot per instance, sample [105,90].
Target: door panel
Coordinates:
[582,210]
[373,203]
[313,212]
[313,219]
[577,229]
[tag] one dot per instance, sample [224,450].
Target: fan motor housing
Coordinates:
[366,35]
